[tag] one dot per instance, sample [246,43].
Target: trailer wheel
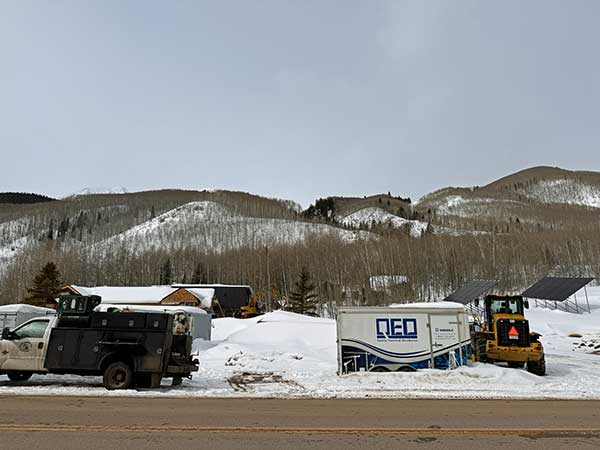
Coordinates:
[537,367]
[379,369]
[19,376]
[118,376]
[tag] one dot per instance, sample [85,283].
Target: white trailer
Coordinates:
[403,337]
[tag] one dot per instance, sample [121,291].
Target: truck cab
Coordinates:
[23,350]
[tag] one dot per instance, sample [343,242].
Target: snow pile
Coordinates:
[282,354]
[377,216]
[210,225]
[567,191]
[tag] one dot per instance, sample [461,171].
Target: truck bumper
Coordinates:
[534,352]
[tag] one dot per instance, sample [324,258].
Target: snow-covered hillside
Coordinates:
[375,216]
[98,190]
[14,239]
[371,216]
[567,191]
[213,226]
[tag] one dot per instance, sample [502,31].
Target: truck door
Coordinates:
[26,349]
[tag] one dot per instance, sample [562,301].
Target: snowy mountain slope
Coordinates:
[213,226]
[370,216]
[568,191]
[541,196]
[98,190]
[375,216]
[14,239]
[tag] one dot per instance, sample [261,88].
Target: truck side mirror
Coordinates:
[526,304]
[6,333]
[476,302]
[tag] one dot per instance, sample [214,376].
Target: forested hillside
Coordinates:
[516,230]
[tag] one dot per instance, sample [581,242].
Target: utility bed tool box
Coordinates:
[84,349]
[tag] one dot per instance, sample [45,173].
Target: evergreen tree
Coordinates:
[166,273]
[303,299]
[46,286]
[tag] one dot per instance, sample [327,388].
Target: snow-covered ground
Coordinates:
[285,355]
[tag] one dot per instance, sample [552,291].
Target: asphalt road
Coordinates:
[219,424]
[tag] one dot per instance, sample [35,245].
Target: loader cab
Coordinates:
[504,305]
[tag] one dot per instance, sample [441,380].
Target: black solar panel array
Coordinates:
[471,291]
[557,289]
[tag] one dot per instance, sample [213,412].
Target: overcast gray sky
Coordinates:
[294,99]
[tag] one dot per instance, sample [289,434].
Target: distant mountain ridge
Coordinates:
[23,198]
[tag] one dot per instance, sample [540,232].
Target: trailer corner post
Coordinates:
[432,362]
[339,343]
[460,344]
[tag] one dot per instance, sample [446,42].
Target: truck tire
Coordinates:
[537,367]
[118,375]
[19,376]
[177,381]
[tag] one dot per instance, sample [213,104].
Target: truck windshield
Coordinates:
[506,306]
[34,329]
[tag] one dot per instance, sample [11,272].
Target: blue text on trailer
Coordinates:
[396,328]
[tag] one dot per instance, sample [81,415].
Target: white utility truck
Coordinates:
[403,337]
[126,348]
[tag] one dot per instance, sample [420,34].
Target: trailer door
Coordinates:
[445,335]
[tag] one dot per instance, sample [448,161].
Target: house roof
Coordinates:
[127,294]
[205,295]
[213,286]
[23,308]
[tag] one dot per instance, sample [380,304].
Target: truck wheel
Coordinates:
[177,381]
[516,364]
[537,367]
[19,376]
[117,376]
